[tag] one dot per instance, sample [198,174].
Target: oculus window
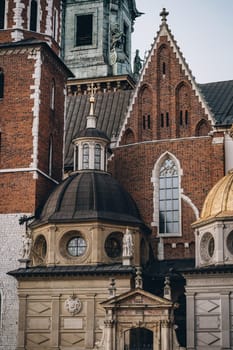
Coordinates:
[113,245]
[76,246]
[168,198]
[84,28]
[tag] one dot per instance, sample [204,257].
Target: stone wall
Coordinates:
[11,244]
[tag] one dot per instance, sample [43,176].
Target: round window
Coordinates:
[113,245]
[207,246]
[76,246]
[230,242]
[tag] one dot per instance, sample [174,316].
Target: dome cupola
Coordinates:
[90,144]
[214,229]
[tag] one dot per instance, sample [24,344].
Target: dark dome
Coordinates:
[92,132]
[90,196]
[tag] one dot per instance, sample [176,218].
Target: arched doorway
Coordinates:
[138,339]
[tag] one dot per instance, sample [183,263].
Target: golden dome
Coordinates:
[219,201]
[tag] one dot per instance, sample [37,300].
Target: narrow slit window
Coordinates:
[2,14]
[167,119]
[164,68]
[1,84]
[186,117]
[84,28]
[50,160]
[148,121]
[162,120]
[144,122]
[33,16]
[126,39]
[181,117]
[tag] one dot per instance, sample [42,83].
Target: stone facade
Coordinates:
[11,245]
[107,50]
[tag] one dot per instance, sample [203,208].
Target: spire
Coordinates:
[164,15]
[91,118]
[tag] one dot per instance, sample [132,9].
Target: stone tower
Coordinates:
[97,41]
[32,82]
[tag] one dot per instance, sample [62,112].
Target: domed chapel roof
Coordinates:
[89,196]
[219,201]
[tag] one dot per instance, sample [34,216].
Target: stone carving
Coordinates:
[128,244]
[116,37]
[73,305]
[137,64]
[27,243]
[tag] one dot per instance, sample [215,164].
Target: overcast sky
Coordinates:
[203,30]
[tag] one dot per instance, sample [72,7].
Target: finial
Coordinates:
[164,15]
[167,288]
[92,99]
[138,278]
[91,118]
[112,288]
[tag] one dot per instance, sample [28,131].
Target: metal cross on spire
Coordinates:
[164,14]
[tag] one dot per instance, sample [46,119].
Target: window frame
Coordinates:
[76,30]
[156,204]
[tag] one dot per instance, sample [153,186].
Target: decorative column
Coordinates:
[22,321]
[108,334]
[90,326]
[190,312]
[55,321]
[165,335]
[225,320]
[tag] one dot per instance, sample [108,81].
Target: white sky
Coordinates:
[203,30]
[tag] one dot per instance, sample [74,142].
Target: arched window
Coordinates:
[168,197]
[33,15]
[1,83]
[97,156]
[85,156]
[2,13]
[50,158]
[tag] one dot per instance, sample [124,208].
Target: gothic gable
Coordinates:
[167,103]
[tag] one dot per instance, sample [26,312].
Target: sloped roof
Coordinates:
[219,97]
[110,109]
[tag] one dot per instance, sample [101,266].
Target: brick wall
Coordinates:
[27,123]
[167,92]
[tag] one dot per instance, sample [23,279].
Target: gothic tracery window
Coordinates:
[168,198]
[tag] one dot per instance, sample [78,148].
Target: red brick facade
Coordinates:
[17,22]
[167,115]
[31,112]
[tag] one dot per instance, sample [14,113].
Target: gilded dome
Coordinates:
[219,201]
[89,196]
